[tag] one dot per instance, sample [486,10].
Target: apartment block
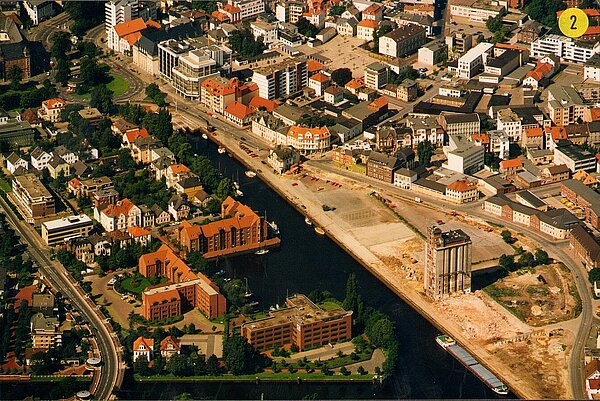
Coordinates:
[186,289]
[45,332]
[475,12]
[217,93]
[33,197]
[591,69]
[281,80]
[301,323]
[376,75]
[473,61]
[567,49]
[575,158]
[448,263]
[460,123]
[565,105]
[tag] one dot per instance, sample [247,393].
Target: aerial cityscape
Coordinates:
[289,199]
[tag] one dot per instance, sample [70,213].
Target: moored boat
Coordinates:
[319,230]
[239,193]
[308,221]
[261,251]
[274,227]
[204,136]
[464,357]
[221,150]
[250,173]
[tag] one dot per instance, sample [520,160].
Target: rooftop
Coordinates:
[71,221]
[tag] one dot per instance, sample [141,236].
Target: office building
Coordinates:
[473,61]
[300,323]
[475,12]
[567,49]
[56,232]
[281,80]
[40,10]
[34,199]
[575,158]
[14,131]
[376,75]
[565,105]
[447,263]
[460,123]
[45,332]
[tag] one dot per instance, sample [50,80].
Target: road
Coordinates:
[111,373]
[45,29]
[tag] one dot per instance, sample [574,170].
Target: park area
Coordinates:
[538,295]
[137,283]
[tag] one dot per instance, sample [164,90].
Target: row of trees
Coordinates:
[378,326]
[526,259]
[243,43]
[306,28]
[158,96]
[25,96]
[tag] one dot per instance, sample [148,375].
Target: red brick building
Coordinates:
[301,323]
[585,247]
[241,229]
[184,290]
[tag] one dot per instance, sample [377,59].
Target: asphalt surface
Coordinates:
[111,371]
[45,29]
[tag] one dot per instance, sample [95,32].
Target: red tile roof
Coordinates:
[257,102]
[303,133]
[314,65]
[462,185]
[147,342]
[54,103]
[355,83]
[483,138]
[540,71]
[595,113]
[373,9]
[378,103]
[511,163]
[136,231]
[319,77]
[231,9]
[534,132]
[125,28]
[170,340]
[238,110]
[558,132]
[178,169]
[369,23]
[136,133]
[122,207]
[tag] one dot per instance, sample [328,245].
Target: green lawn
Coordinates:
[330,305]
[118,85]
[136,285]
[5,185]
[263,376]
[58,378]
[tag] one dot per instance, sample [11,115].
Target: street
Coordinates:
[111,373]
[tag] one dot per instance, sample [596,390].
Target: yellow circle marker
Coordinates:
[573,22]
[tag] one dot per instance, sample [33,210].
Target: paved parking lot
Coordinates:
[343,51]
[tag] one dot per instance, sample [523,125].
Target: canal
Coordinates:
[305,262]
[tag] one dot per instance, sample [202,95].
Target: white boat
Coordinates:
[307,221]
[250,173]
[444,341]
[204,136]
[236,185]
[221,150]
[319,230]
[274,227]
[239,193]
[262,251]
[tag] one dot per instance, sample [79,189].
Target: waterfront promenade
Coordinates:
[306,201]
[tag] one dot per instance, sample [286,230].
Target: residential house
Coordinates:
[45,331]
[407,91]
[319,82]
[140,235]
[160,216]
[51,108]
[346,26]
[402,41]
[188,186]
[238,113]
[119,216]
[365,29]
[462,191]
[65,154]
[170,346]
[143,348]
[178,208]
[14,162]
[404,177]
[309,140]
[511,166]
[382,167]
[281,159]
[57,167]
[40,159]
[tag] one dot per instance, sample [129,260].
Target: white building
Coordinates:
[116,12]
[591,69]
[565,48]
[475,11]
[249,8]
[575,158]
[473,60]
[267,31]
[463,156]
[509,122]
[40,159]
[39,10]
[282,79]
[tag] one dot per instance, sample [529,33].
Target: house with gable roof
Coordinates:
[143,348]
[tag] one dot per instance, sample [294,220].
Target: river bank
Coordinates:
[410,292]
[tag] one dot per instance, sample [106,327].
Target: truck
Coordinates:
[417,199]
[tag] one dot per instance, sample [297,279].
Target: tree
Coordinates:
[507,237]
[351,301]
[177,365]
[238,355]
[361,371]
[344,370]
[101,98]
[527,260]
[63,72]
[242,42]
[234,291]
[85,14]
[14,75]
[594,275]
[494,24]
[544,11]
[306,28]
[154,93]
[381,333]
[141,367]
[341,76]
[425,152]
[337,10]
[197,262]
[506,262]
[225,189]
[61,44]
[212,366]
[541,257]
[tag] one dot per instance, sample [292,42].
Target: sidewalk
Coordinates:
[324,353]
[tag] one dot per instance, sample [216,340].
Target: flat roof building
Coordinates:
[33,197]
[56,232]
[301,323]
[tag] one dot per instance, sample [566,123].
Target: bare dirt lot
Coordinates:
[538,296]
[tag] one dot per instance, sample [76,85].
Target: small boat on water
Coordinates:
[444,341]
[319,230]
[221,150]
[239,193]
[204,136]
[465,358]
[261,251]
[274,227]
[308,221]
[236,185]
[247,294]
[250,174]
